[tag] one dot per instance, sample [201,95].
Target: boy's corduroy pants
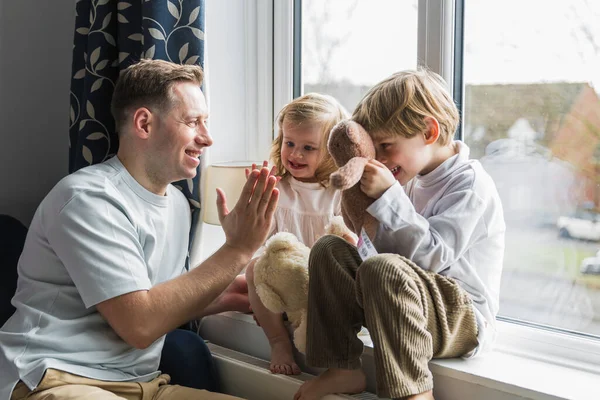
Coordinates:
[412,315]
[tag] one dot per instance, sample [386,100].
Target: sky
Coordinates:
[508,41]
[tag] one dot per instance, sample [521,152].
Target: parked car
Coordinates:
[582,224]
[591,265]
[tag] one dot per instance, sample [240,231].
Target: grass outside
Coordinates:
[557,258]
[541,282]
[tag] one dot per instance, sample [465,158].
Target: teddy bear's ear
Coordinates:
[270,299]
[354,131]
[361,139]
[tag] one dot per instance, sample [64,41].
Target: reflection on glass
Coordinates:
[532,116]
[349,45]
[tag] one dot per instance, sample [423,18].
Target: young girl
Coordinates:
[306,202]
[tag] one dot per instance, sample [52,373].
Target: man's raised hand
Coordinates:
[247,225]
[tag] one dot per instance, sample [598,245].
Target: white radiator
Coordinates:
[249,378]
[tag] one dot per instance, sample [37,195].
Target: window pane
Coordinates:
[349,45]
[532,116]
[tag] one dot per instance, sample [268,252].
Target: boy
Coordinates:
[435,291]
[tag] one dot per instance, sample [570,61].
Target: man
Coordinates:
[101,276]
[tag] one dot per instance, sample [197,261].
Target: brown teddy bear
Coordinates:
[351,148]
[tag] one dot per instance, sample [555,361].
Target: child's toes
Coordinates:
[276,368]
[296,369]
[285,369]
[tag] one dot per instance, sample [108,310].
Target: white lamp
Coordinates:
[229,176]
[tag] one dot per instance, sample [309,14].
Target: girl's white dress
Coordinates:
[305,209]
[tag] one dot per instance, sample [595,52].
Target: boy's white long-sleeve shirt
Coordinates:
[450,222]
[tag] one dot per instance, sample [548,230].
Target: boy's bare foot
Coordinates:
[422,396]
[334,380]
[282,358]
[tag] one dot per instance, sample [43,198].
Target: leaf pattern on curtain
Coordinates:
[110,35]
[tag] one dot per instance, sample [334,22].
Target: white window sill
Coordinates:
[520,376]
[495,376]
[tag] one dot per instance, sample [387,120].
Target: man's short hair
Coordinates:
[148,83]
[398,105]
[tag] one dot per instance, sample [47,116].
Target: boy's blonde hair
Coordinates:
[398,105]
[148,83]
[310,109]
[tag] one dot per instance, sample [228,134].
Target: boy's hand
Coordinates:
[376,179]
[246,226]
[350,238]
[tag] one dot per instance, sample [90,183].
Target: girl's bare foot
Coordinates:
[282,358]
[334,380]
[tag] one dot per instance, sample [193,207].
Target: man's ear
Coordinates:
[432,132]
[142,120]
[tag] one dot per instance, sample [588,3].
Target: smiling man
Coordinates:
[102,276]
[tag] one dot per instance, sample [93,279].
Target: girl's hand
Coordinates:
[233,298]
[265,164]
[376,179]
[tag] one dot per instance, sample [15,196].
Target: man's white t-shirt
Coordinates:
[98,234]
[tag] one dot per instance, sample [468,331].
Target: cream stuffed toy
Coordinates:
[281,277]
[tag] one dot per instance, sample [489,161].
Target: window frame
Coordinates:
[441,36]
[270,34]
[284,72]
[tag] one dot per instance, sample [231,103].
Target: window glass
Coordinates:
[349,45]
[532,117]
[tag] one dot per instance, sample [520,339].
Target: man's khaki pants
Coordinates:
[412,315]
[61,385]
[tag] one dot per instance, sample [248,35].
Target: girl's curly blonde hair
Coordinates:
[311,109]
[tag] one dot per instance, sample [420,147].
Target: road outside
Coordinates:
[541,281]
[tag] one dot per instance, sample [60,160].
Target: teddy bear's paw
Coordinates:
[337,226]
[338,181]
[300,334]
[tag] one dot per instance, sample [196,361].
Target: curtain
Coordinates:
[109,36]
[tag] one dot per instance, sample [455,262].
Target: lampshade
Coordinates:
[229,176]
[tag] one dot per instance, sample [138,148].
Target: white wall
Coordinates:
[225,57]
[238,63]
[36,40]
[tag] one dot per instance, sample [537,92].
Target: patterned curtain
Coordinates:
[109,36]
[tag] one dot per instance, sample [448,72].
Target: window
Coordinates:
[532,117]
[348,46]
[487,61]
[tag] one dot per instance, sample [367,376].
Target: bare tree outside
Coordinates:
[350,45]
[323,41]
[586,32]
